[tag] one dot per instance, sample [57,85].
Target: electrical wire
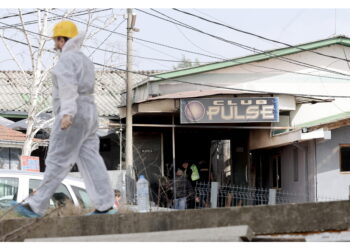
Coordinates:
[16,15]
[139,39]
[258,36]
[78,13]
[285,59]
[213,86]
[295,62]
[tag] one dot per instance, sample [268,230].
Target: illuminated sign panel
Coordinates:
[229,110]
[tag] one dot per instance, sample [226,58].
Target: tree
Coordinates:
[186,63]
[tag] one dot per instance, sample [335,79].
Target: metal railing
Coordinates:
[209,196]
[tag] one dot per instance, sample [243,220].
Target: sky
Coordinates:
[292,26]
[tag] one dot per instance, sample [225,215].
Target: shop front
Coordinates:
[210,132]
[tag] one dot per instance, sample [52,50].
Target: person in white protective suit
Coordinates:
[73,138]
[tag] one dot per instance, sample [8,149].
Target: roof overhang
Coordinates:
[170,103]
[341,40]
[262,139]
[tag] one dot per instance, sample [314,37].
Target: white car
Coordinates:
[17,185]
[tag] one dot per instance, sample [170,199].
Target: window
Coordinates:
[82,197]
[276,172]
[345,158]
[59,197]
[8,191]
[296,164]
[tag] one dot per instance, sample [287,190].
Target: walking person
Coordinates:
[73,138]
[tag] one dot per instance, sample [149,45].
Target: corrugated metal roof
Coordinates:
[207,93]
[14,91]
[199,93]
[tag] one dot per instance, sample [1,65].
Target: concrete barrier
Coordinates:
[290,218]
[218,234]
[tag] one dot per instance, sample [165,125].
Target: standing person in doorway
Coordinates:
[192,175]
[184,190]
[73,138]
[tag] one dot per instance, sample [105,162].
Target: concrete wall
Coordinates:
[291,218]
[330,181]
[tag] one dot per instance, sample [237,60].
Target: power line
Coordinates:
[195,45]
[206,85]
[110,34]
[253,49]
[60,16]
[295,62]
[158,59]
[210,85]
[258,36]
[104,50]
[16,15]
[142,40]
[92,47]
[245,46]
[221,87]
[78,13]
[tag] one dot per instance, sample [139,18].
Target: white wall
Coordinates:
[330,181]
[289,185]
[304,188]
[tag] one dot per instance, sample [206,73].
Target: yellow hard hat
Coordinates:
[66,29]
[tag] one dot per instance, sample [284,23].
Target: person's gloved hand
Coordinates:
[66,121]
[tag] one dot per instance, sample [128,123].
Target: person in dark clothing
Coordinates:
[183,190]
[165,194]
[202,200]
[191,173]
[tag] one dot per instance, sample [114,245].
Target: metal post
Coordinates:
[120,148]
[214,194]
[174,171]
[129,97]
[272,196]
[162,153]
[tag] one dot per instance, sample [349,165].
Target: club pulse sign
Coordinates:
[229,110]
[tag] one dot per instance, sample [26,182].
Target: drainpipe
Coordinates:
[316,197]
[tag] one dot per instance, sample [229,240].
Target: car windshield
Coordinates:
[82,197]
[8,191]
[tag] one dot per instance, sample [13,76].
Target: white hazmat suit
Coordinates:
[74,81]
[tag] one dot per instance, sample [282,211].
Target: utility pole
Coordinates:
[131,19]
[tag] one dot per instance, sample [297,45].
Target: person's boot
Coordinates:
[108,211]
[26,211]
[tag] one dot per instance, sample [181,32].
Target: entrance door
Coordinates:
[221,161]
[276,171]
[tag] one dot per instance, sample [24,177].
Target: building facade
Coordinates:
[296,153]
